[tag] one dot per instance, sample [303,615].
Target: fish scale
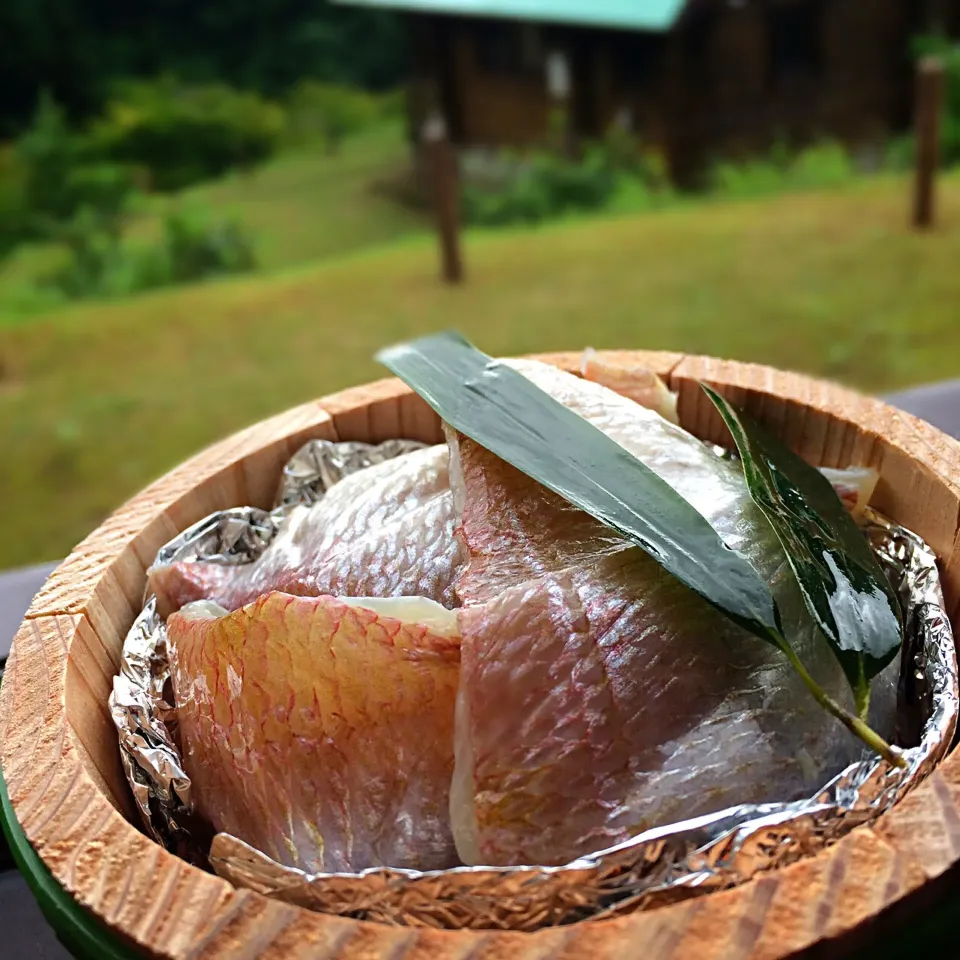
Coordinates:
[384,531]
[599,696]
[319,732]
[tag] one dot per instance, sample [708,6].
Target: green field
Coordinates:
[302,207]
[97,399]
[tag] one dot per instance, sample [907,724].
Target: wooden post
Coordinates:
[927,125]
[442,170]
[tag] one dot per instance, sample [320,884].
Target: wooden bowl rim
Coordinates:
[66,794]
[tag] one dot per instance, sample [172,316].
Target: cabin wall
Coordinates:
[866,83]
[734,76]
[495,78]
[795,70]
[727,81]
[503,100]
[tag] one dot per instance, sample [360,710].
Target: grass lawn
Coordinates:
[307,204]
[304,206]
[97,399]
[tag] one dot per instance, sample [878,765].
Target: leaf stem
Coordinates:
[853,723]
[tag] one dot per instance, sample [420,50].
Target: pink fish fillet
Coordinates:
[384,531]
[635,381]
[600,697]
[321,731]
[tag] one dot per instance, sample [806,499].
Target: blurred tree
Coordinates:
[78,48]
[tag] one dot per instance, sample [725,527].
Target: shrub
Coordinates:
[747,178]
[96,257]
[576,185]
[58,173]
[14,217]
[900,153]
[60,185]
[393,104]
[825,164]
[47,153]
[185,134]
[626,154]
[751,177]
[543,187]
[192,248]
[616,173]
[330,113]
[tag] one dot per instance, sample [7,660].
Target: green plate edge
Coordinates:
[74,926]
[6,858]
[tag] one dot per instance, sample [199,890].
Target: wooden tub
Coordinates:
[61,763]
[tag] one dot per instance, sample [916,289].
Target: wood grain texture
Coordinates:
[59,752]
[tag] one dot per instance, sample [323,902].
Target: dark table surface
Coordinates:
[26,935]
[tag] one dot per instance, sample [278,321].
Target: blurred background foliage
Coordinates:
[254,160]
[77,49]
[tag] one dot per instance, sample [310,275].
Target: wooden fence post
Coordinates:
[927,120]
[442,170]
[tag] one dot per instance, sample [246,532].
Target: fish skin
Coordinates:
[319,732]
[599,696]
[383,531]
[854,485]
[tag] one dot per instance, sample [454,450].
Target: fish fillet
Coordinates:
[854,485]
[635,381]
[384,531]
[320,730]
[598,695]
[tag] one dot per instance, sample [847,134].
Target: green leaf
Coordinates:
[510,416]
[841,581]
[505,412]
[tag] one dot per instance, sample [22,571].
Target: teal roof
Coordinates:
[626,14]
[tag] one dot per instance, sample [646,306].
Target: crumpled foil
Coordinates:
[668,863]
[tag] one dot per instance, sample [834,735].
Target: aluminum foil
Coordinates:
[668,863]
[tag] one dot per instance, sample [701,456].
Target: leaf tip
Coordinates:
[389,354]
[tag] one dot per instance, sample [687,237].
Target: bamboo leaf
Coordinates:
[841,581]
[509,415]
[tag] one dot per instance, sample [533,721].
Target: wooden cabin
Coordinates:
[694,79]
